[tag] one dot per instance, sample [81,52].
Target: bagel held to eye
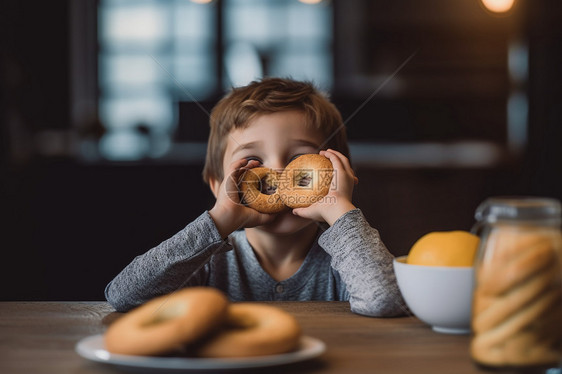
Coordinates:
[253,329]
[306,180]
[167,322]
[259,187]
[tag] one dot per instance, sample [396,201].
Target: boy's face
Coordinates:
[274,140]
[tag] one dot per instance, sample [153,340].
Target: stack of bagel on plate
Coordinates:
[201,322]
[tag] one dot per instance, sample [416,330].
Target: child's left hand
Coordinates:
[338,201]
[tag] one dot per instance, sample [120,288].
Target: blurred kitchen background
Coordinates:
[104,108]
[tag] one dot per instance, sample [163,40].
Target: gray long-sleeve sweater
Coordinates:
[348,261]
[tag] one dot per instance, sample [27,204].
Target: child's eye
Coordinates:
[253,158]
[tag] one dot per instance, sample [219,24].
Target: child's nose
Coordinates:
[277,164]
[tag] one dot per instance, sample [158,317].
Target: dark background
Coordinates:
[69,225]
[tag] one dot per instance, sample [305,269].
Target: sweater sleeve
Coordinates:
[175,263]
[365,266]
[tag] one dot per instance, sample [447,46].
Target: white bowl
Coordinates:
[439,296]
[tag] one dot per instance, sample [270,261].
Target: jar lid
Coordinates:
[519,208]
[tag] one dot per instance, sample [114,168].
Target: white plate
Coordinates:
[93,348]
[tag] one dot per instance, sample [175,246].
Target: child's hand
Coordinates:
[338,200]
[229,213]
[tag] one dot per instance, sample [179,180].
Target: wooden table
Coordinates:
[39,337]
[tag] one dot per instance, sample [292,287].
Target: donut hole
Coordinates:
[241,324]
[303,179]
[241,320]
[268,185]
[167,313]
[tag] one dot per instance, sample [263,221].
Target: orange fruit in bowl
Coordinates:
[444,248]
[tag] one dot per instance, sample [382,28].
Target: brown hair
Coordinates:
[270,95]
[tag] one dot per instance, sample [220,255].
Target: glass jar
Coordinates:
[517,304]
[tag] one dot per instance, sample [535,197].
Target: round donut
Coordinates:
[259,188]
[167,322]
[306,180]
[253,329]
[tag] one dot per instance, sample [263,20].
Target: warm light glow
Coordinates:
[498,6]
[201,1]
[310,1]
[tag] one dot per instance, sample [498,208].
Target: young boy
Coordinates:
[291,255]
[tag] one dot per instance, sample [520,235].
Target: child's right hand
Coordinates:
[229,213]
